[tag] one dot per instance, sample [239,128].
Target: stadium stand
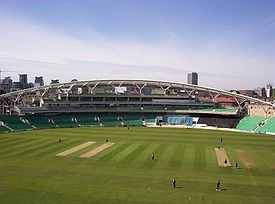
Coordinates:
[179,120]
[87,120]
[250,123]
[15,122]
[220,122]
[65,120]
[256,124]
[40,121]
[150,120]
[97,103]
[109,120]
[133,122]
[4,129]
[218,110]
[266,126]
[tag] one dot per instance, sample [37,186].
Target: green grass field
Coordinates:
[30,172]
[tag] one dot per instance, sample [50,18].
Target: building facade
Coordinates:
[23,79]
[192,78]
[39,81]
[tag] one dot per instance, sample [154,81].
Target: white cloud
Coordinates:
[39,50]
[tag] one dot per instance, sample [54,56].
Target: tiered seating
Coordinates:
[132,119]
[39,121]
[15,122]
[219,110]
[250,123]
[220,122]
[65,120]
[110,120]
[268,125]
[150,117]
[150,120]
[11,123]
[134,122]
[87,120]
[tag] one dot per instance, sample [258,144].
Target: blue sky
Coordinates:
[231,44]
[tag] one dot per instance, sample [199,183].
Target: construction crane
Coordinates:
[4,71]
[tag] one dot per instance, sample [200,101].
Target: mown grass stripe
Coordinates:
[163,159]
[176,159]
[54,148]
[18,144]
[149,164]
[12,142]
[34,149]
[145,155]
[112,152]
[130,158]
[12,150]
[7,139]
[121,155]
[189,156]
[200,160]
[23,151]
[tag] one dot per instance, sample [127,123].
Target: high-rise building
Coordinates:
[8,82]
[55,81]
[269,92]
[16,85]
[6,85]
[38,81]
[23,79]
[30,85]
[192,78]
[250,93]
[258,91]
[263,93]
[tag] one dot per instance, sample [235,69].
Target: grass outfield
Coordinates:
[30,171]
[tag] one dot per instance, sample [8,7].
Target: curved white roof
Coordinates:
[140,83]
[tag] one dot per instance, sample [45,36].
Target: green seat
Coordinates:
[16,122]
[40,121]
[249,123]
[267,126]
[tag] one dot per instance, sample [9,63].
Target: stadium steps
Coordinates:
[5,128]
